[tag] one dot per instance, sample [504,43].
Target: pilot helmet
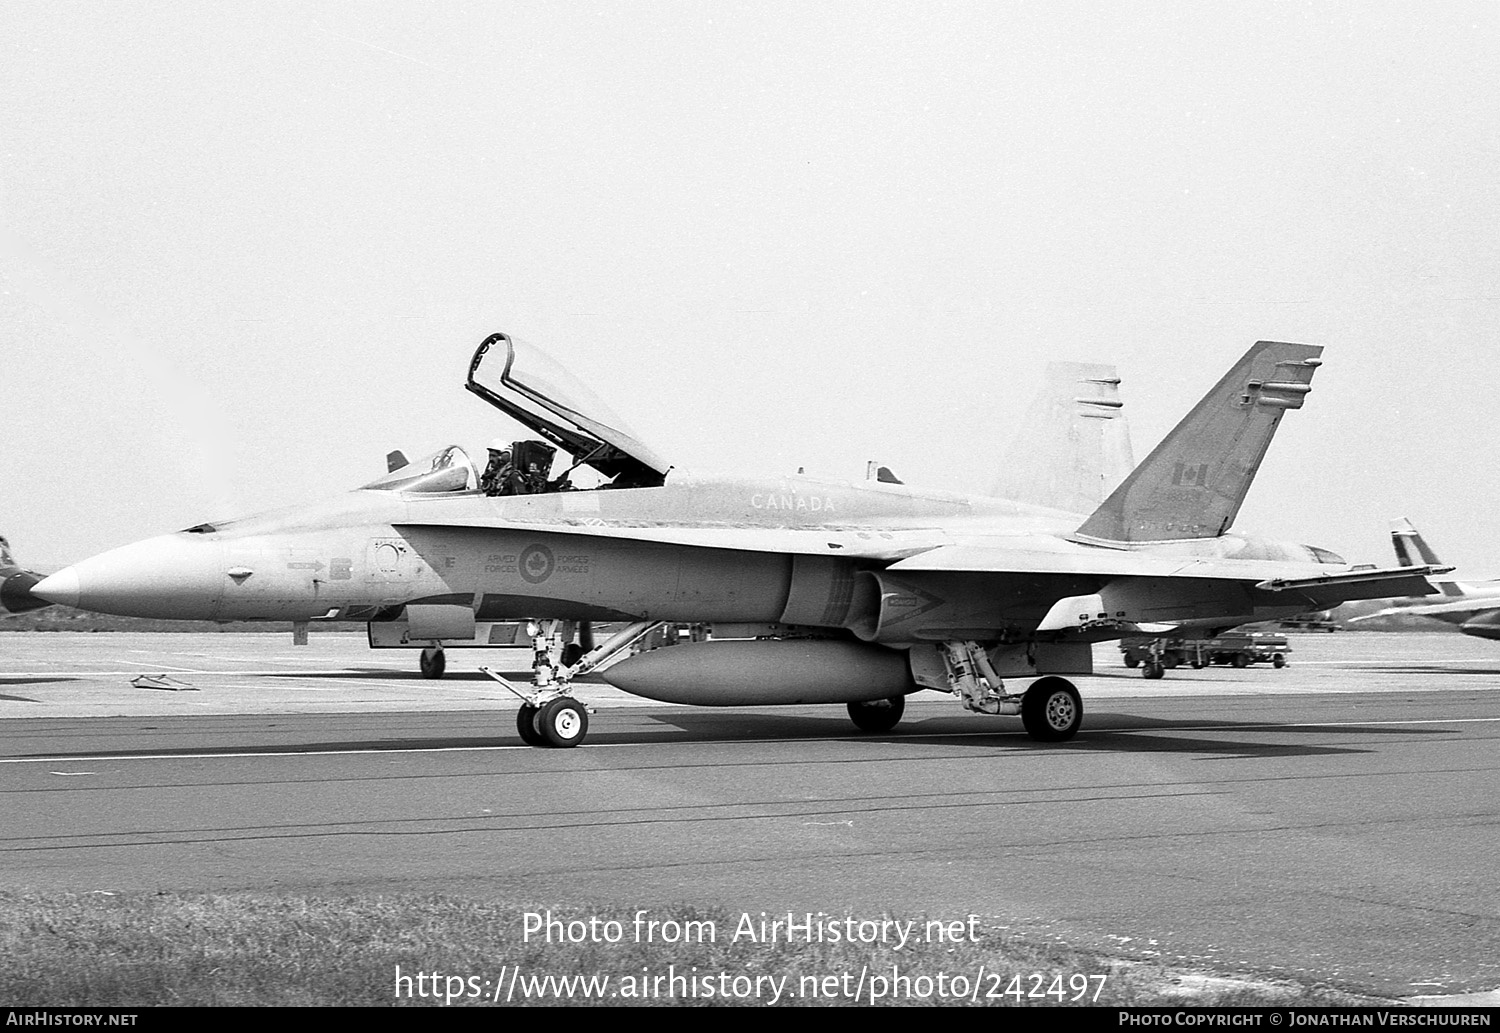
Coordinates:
[498,445]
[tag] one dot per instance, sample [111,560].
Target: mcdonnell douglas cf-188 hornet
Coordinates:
[812,591]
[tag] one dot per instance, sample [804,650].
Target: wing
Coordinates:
[1266,575]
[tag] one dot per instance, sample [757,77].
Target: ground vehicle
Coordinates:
[1237,649]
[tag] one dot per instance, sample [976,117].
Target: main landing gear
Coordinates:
[433,662]
[1051,709]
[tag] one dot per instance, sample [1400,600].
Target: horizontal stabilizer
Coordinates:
[1330,589]
[1386,577]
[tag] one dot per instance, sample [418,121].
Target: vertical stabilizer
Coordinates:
[1074,448]
[1192,484]
[1407,539]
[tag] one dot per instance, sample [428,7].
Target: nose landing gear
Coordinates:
[549,715]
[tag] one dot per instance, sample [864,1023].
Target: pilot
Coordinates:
[499,471]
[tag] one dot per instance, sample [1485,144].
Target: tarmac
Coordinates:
[1329,821]
[91,674]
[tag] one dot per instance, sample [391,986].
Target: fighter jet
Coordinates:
[1473,605]
[16,584]
[796,590]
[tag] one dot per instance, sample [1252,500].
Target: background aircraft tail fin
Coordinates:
[1074,447]
[1192,484]
[1406,539]
[15,585]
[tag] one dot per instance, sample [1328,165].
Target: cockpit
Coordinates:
[530,387]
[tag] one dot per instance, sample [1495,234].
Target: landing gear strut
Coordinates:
[549,715]
[1051,709]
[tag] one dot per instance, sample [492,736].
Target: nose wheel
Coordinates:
[563,722]
[526,725]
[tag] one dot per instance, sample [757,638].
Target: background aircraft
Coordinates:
[1472,605]
[16,584]
[813,591]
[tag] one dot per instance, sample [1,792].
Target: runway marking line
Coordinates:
[914,737]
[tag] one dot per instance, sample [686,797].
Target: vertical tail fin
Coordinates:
[1192,484]
[1405,538]
[1074,447]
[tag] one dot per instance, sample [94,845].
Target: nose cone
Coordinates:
[170,577]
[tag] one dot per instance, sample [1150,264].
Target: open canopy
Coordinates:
[523,382]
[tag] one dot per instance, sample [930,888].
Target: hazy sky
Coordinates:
[247,249]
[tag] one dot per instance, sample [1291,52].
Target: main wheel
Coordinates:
[563,722]
[1240,660]
[1170,661]
[1278,660]
[1132,661]
[877,715]
[526,725]
[1051,710]
[433,662]
[1151,670]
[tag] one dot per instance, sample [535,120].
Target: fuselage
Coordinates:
[787,550]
